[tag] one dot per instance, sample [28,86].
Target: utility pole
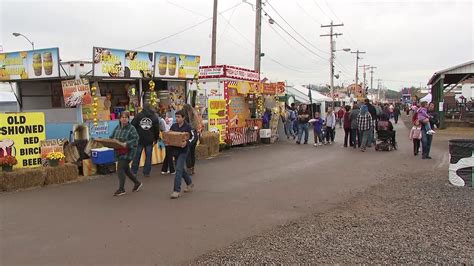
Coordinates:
[331,56]
[364,67]
[372,79]
[357,65]
[379,87]
[258,35]
[214,35]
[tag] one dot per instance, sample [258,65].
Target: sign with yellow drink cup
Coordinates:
[21,135]
[169,65]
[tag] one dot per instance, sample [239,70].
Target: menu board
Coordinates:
[238,111]
[35,64]
[217,118]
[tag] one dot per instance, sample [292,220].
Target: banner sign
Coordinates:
[281,88]
[217,118]
[269,88]
[35,64]
[122,63]
[76,92]
[211,71]
[21,135]
[225,71]
[181,66]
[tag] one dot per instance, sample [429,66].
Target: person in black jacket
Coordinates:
[180,154]
[148,128]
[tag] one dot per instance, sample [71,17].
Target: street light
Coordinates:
[16,34]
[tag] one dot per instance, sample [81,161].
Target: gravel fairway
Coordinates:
[408,218]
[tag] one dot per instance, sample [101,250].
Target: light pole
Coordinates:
[16,34]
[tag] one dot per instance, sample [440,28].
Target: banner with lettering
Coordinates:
[76,92]
[35,64]
[117,63]
[21,135]
[181,66]
[217,118]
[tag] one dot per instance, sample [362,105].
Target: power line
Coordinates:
[302,37]
[330,9]
[289,34]
[227,25]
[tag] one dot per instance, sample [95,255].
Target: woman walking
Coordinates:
[193,120]
[126,133]
[347,126]
[330,126]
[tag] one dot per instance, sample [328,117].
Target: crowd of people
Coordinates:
[143,133]
[359,122]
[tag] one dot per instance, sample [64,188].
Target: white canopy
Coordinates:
[318,97]
[427,98]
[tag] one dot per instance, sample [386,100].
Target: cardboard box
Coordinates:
[265,133]
[175,138]
[112,143]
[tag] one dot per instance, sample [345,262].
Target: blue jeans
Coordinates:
[425,142]
[303,127]
[138,156]
[365,138]
[289,128]
[181,172]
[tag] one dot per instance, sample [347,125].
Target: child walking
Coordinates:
[318,123]
[424,118]
[415,135]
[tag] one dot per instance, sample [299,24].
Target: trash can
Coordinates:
[461,162]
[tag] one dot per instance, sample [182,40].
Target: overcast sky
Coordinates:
[406,40]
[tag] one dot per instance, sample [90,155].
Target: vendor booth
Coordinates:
[94,93]
[233,101]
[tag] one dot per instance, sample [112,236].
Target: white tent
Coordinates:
[299,92]
[318,97]
[427,98]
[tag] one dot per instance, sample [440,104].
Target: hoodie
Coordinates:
[318,124]
[147,125]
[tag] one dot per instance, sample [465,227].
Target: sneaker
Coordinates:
[189,188]
[298,142]
[119,192]
[175,195]
[305,142]
[320,144]
[164,173]
[173,173]
[315,144]
[136,188]
[431,132]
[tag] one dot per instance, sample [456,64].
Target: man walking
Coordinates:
[364,123]
[180,154]
[373,114]
[303,119]
[147,125]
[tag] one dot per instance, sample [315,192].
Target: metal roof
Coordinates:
[454,74]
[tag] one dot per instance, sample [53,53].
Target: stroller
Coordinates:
[384,141]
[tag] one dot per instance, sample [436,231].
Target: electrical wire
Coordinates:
[226,26]
[294,38]
[301,36]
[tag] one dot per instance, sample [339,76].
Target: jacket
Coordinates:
[353,118]
[184,128]
[372,111]
[415,132]
[147,125]
[422,114]
[364,120]
[347,120]
[127,134]
[331,120]
[318,125]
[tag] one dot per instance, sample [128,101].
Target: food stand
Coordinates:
[232,101]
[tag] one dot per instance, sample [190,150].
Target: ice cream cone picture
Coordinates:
[23,54]
[3,56]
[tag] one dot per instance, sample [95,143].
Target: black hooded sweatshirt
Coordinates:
[148,127]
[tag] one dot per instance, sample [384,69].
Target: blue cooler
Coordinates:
[103,156]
